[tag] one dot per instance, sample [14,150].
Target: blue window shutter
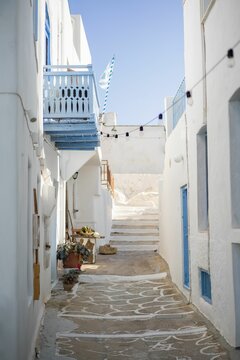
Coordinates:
[206,286]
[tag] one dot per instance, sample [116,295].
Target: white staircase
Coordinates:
[135,229]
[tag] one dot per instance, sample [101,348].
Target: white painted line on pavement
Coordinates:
[185,331]
[126,317]
[102,278]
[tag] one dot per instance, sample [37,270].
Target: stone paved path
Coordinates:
[114,313]
[126,307]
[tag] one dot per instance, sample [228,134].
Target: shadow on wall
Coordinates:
[137,189]
[148,199]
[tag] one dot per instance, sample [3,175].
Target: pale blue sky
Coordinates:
[146,37]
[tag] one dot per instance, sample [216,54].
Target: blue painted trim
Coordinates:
[206,290]
[69,129]
[77,146]
[75,139]
[186,274]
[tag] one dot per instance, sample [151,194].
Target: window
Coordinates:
[47,38]
[206,286]
[202,173]
[234,132]
[29,234]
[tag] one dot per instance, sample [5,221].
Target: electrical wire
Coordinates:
[207,73]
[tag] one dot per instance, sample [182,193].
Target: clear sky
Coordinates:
[146,37]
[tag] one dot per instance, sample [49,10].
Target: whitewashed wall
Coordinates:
[174,177]
[21,65]
[89,203]
[217,248]
[136,163]
[19,314]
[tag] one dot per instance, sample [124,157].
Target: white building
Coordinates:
[136,161]
[200,197]
[38,157]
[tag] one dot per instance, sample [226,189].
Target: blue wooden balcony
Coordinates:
[70,107]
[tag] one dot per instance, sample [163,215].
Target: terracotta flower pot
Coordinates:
[68,287]
[72,261]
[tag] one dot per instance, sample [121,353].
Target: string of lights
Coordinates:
[188,94]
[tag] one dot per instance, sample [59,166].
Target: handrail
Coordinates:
[69,93]
[47,72]
[106,176]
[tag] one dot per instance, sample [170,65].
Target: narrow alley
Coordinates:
[126,306]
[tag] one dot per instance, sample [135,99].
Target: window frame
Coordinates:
[205,285]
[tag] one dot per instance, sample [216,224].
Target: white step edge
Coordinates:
[88,278]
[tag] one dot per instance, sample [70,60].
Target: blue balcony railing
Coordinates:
[70,107]
[179,103]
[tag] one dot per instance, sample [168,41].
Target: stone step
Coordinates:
[132,232]
[136,231]
[116,243]
[135,222]
[135,216]
[135,227]
[133,238]
[137,247]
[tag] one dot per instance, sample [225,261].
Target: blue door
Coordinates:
[184,194]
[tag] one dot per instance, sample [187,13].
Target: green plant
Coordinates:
[70,278]
[64,249]
[88,231]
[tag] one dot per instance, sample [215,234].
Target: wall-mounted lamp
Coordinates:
[189,97]
[230,56]
[75,176]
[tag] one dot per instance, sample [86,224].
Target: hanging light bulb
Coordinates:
[160,116]
[127,136]
[189,97]
[108,135]
[231,59]
[101,133]
[116,136]
[141,130]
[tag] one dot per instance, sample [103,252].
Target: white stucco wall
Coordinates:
[21,74]
[80,40]
[215,248]
[174,177]
[89,203]
[136,163]
[222,233]
[142,153]
[220,86]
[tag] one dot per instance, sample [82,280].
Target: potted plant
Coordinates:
[87,231]
[72,254]
[69,279]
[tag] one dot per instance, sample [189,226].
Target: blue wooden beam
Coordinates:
[69,128]
[74,139]
[77,146]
